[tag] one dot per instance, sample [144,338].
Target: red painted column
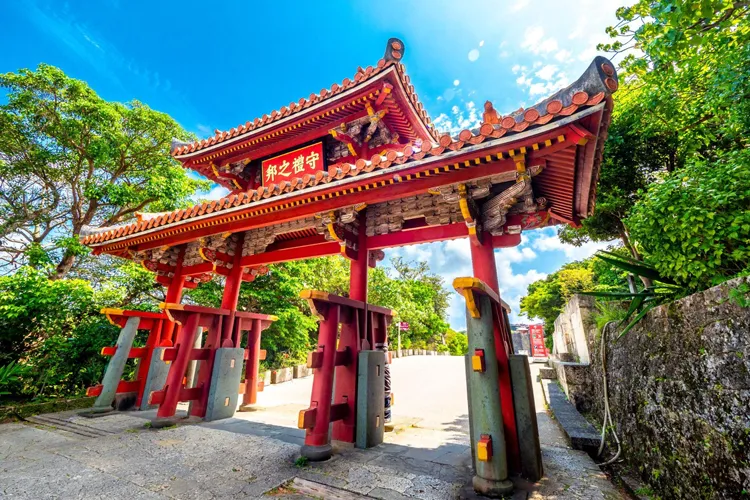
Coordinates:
[483,262]
[205,367]
[173,386]
[232,293]
[351,334]
[317,446]
[174,296]
[358,268]
[346,378]
[253,364]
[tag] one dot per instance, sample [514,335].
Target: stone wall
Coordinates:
[571,326]
[679,393]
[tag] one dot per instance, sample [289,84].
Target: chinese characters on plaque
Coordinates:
[294,164]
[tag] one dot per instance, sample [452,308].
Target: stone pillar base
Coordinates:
[97,412]
[491,488]
[317,453]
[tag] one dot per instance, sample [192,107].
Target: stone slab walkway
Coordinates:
[253,455]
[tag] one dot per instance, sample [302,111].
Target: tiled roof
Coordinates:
[393,54]
[592,88]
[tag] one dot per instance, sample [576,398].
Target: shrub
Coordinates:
[695,225]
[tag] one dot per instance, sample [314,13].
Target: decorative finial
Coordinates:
[394,51]
[490,115]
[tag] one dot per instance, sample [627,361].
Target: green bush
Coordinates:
[457,343]
[694,226]
[34,308]
[53,330]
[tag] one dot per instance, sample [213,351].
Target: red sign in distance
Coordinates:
[292,164]
[538,349]
[403,326]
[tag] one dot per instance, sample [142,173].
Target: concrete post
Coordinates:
[370,399]
[192,371]
[485,416]
[115,368]
[526,425]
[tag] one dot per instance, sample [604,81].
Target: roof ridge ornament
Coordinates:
[394,50]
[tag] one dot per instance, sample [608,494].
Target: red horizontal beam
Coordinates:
[122,386]
[420,235]
[199,354]
[296,253]
[261,355]
[506,240]
[135,352]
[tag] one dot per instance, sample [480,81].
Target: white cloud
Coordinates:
[481,44]
[520,4]
[552,80]
[473,55]
[534,41]
[547,72]
[563,56]
[588,54]
[456,82]
[460,119]
[551,242]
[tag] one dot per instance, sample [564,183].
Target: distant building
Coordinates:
[521,341]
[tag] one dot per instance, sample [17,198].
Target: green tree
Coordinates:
[418,297]
[685,100]
[546,298]
[69,158]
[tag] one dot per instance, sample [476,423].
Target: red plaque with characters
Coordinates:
[293,164]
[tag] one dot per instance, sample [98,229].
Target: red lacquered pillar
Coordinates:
[483,263]
[205,367]
[172,388]
[253,364]
[232,295]
[346,375]
[316,419]
[173,296]
[358,268]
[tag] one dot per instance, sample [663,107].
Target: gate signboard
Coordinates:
[403,326]
[293,164]
[538,349]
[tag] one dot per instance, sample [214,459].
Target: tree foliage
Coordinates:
[684,102]
[69,158]
[546,298]
[695,225]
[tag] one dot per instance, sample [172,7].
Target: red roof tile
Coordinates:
[562,103]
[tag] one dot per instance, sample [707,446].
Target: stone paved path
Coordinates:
[254,453]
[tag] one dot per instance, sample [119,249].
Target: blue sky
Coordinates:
[213,65]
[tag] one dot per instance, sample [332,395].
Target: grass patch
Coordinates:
[302,462]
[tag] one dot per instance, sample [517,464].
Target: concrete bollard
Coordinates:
[225,379]
[370,399]
[157,377]
[485,416]
[115,368]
